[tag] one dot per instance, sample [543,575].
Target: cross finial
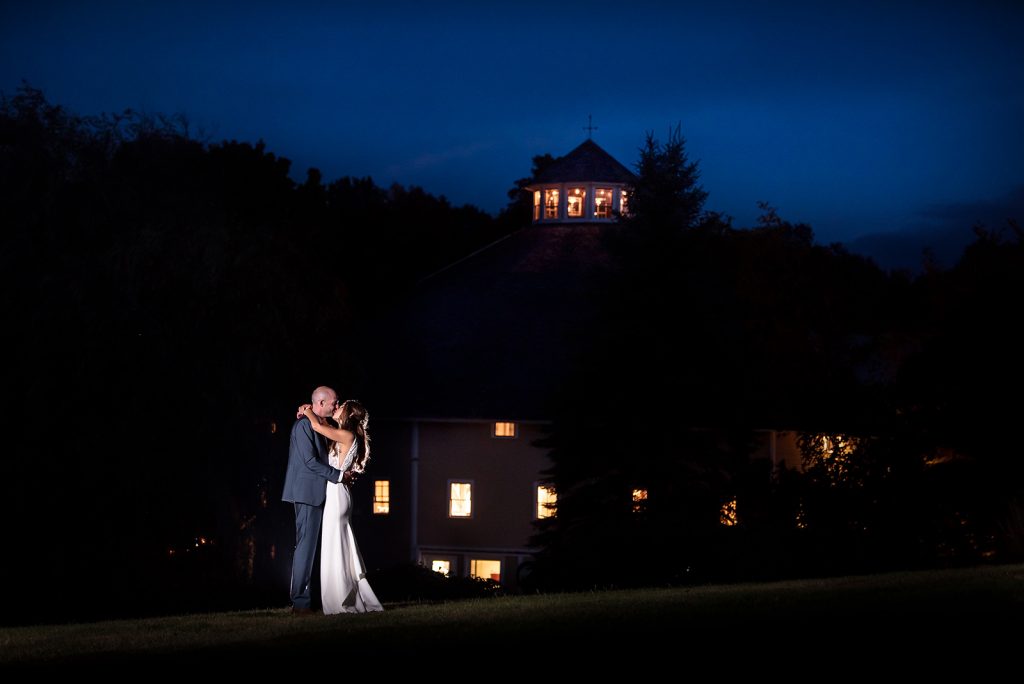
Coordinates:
[590,127]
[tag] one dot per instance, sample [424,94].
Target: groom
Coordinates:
[305,486]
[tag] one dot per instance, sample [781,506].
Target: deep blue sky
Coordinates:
[882,124]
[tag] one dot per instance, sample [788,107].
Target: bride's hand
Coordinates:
[304,410]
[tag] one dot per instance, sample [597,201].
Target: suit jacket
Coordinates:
[308,471]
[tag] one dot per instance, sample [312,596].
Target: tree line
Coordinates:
[169,300]
[902,388]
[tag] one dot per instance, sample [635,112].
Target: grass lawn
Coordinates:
[954,605]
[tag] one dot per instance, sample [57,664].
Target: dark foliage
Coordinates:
[415,583]
[711,333]
[168,303]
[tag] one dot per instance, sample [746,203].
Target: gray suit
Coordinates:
[305,486]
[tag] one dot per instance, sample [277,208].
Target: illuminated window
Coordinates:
[624,203]
[577,200]
[551,203]
[485,569]
[441,566]
[536,204]
[381,497]
[460,501]
[603,202]
[727,516]
[546,499]
[505,430]
[639,500]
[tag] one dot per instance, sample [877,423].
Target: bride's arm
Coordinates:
[340,435]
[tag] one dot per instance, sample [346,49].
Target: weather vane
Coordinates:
[590,127]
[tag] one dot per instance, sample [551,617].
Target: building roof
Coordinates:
[588,162]
[493,336]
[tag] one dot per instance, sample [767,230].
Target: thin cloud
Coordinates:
[433,159]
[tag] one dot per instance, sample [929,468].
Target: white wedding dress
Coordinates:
[343,583]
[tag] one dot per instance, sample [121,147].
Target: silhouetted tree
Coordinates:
[174,301]
[666,195]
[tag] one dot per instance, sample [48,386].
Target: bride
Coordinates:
[343,584]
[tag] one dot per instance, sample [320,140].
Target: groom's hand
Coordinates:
[349,477]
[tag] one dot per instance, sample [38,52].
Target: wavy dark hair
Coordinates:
[357,421]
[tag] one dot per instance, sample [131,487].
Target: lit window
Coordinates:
[727,515]
[639,500]
[485,569]
[460,502]
[441,566]
[624,203]
[551,203]
[546,499]
[381,497]
[536,204]
[577,200]
[603,202]
[504,429]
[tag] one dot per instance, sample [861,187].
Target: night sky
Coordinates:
[885,125]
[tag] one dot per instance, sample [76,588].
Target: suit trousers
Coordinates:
[307,536]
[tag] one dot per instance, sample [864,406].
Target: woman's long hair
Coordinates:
[357,421]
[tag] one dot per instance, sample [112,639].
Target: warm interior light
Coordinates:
[576,202]
[460,503]
[485,569]
[381,497]
[639,500]
[728,514]
[551,203]
[504,429]
[546,499]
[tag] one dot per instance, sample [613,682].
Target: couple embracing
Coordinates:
[323,461]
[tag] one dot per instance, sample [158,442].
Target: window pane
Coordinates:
[460,504]
[381,497]
[546,499]
[536,204]
[441,566]
[485,569]
[551,203]
[603,202]
[624,204]
[504,429]
[577,201]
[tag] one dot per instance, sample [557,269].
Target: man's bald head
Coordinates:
[324,401]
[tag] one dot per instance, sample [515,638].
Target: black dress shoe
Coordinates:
[302,611]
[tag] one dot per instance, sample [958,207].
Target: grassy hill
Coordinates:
[614,626]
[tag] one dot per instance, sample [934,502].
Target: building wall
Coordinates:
[384,539]
[503,473]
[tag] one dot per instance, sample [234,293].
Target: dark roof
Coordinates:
[493,336]
[588,162]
